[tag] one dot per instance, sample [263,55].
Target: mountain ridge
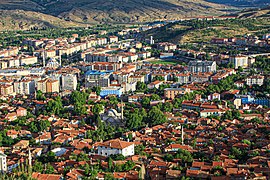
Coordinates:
[115,11]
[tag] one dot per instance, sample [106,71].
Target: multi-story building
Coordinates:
[183,78]
[52,86]
[171,93]
[48,85]
[136,78]
[69,82]
[26,60]
[200,77]
[252,80]
[239,61]
[97,78]
[3,162]
[202,66]
[24,86]
[41,85]
[6,89]
[106,66]
[165,46]
[116,146]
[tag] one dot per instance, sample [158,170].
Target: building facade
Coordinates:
[202,66]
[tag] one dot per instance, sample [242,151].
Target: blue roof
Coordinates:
[94,72]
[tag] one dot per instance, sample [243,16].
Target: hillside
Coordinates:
[255,13]
[138,10]
[24,20]
[243,3]
[115,11]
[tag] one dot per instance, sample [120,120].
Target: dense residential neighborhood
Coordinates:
[118,105]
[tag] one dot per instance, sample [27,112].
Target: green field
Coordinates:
[167,61]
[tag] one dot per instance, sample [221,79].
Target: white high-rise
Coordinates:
[3,162]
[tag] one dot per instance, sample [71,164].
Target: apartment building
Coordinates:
[202,66]
[48,85]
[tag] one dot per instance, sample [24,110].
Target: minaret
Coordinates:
[182,134]
[44,58]
[60,60]
[122,111]
[29,157]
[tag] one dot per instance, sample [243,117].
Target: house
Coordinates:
[21,112]
[12,133]
[211,112]
[173,174]
[171,93]
[22,144]
[154,84]
[214,96]
[176,147]
[11,116]
[44,138]
[219,40]
[116,146]
[39,176]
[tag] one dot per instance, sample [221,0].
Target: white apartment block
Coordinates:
[69,82]
[116,146]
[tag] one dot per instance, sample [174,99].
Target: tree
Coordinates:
[141,86]
[145,102]
[43,125]
[40,96]
[240,69]
[155,116]
[110,164]
[155,97]
[129,165]
[108,177]
[184,155]
[134,119]
[158,78]
[79,108]
[139,149]
[97,108]
[167,107]
[97,90]
[38,167]
[55,106]
[168,157]
[49,169]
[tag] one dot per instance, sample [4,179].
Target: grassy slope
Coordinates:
[184,33]
[236,28]
[19,19]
